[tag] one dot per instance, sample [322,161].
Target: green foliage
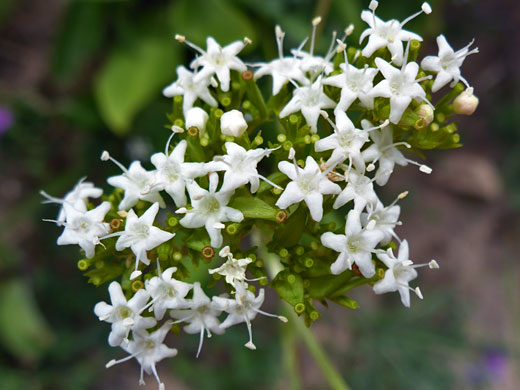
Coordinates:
[132,75]
[23,330]
[212,14]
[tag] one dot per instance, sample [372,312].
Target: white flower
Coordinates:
[399,273]
[383,219]
[233,269]
[447,64]
[243,308]
[201,314]
[281,69]
[355,84]
[310,100]
[210,210]
[167,292]
[345,142]
[77,197]
[123,315]
[172,171]
[137,182]
[217,61]
[388,34]
[148,349]
[385,151]
[240,166]
[190,89]
[313,64]
[355,246]
[359,188]
[197,117]
[400,86]
[84,227]
[233,123]
[140,236]
[308,184]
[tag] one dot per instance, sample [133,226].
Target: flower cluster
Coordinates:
[304,201]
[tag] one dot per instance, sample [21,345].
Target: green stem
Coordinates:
[326,367]
[290,357]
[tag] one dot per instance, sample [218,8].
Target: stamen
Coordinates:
[279,40]
[281,318]
[249,344]
[113,362]
[424,8]
[349,30]
[182,39]
[105,156]
[269,181]
[373,6]
[200,341]
[433,264]
[315,22]
[59,223]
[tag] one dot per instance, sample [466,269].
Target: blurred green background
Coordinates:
[77,77]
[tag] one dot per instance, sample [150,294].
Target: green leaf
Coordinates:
[198,240]
[217,18]
[325,286]
[253,207]
[289,287]
[132,77]
[83,31]
[23,330]
[291,231]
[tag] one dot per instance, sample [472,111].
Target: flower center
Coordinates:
[125,312]
[308,182]
[141,230]
[210,205]
[171,171]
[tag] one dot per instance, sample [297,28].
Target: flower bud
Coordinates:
[196,117]
[425,112]
[233,123]
[466,103]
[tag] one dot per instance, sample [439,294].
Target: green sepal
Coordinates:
[345,301]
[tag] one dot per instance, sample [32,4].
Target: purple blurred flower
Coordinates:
[6,119]
[495,363]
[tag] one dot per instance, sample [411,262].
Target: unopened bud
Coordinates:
[466,103]
[425,112]
[197,117]
[233,123]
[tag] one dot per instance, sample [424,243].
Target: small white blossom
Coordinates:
[400,85]
[197,117]
[148,349]
[243,308]
[359,188]
[172,172]
[355,246]
[217,60]
[84,227]
[384,151]
[355,84]
[447,64]
[240,166]
[137,182]
[310,100]
[233,123]
[167,292]
[389,34]
[399,273]
[122,314]
[281,69]
[190,89]
[201,314]
[77,197]
[383,219]
[345,142]
[233,269]
[308,184]
[140,236]
[210,210]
